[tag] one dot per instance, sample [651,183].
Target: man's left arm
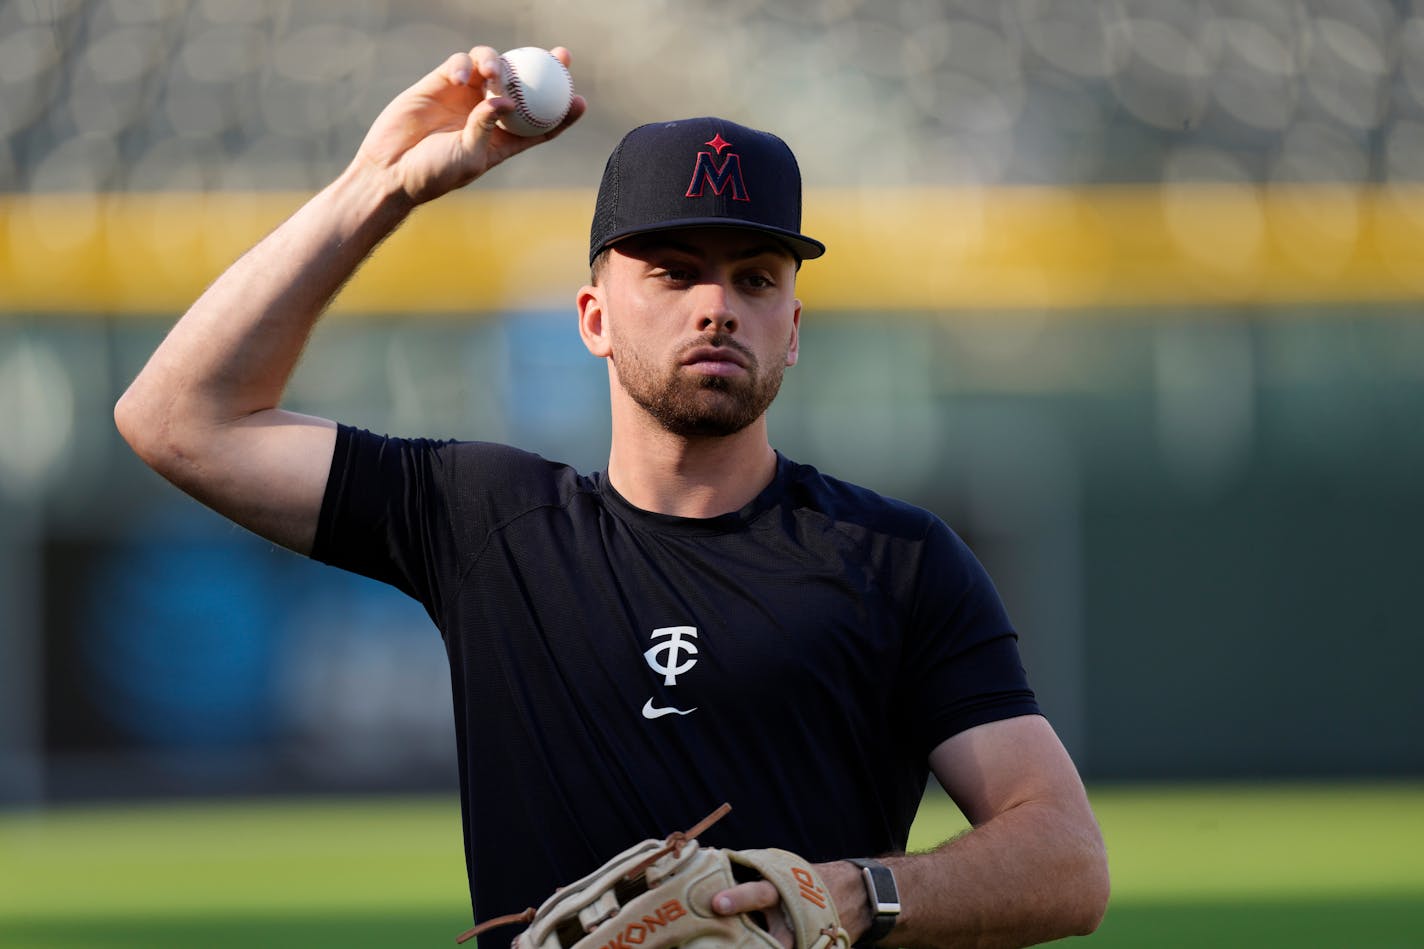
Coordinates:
[1032,868]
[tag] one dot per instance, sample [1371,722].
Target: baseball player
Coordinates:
[705,620]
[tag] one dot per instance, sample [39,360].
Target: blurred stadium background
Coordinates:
[1129,292]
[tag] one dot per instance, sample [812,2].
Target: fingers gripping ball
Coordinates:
[658,895]
[540,86]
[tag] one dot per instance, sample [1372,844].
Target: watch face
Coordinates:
[883,893]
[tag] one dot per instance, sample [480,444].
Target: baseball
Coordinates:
[540,86]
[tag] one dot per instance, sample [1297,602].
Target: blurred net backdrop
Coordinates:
[1126,291]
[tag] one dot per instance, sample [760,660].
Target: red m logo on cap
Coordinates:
[708,172]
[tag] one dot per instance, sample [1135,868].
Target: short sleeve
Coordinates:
[385,512]
[962,665]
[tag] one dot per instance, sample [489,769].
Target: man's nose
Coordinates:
[714,312]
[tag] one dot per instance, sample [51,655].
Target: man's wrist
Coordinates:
[374,194]
[882,899]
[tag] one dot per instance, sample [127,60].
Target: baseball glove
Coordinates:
[658,895]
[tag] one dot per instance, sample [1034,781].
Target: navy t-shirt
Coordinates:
[618,674]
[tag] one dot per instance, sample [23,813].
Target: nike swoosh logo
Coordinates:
[652,711]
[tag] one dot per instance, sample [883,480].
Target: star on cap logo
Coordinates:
[720,175]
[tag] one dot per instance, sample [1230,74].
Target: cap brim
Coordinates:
[805,248]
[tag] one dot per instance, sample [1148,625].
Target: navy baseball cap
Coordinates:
[704,172]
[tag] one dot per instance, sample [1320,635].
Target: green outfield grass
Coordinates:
[1298,866]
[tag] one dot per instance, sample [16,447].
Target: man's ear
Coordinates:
[592,326]
[793,351]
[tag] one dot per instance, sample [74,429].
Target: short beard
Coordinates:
[697,406]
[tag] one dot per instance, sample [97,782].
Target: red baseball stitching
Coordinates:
[513,90]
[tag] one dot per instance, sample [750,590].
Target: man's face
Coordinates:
[701,324]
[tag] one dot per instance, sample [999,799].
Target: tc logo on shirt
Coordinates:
[674,646]
[675,655]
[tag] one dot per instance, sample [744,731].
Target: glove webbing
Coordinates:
[673,845]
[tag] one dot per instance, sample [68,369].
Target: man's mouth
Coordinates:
[715,360]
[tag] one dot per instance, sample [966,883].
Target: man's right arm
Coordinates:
[204,412]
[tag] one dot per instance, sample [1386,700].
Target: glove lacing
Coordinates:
[673,845]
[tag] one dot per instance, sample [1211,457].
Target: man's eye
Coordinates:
[758,281]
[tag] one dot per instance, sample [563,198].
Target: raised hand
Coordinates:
[440,134]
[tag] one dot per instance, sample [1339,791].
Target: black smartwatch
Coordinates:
[884,899]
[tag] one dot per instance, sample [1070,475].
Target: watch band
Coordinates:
[884,899]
